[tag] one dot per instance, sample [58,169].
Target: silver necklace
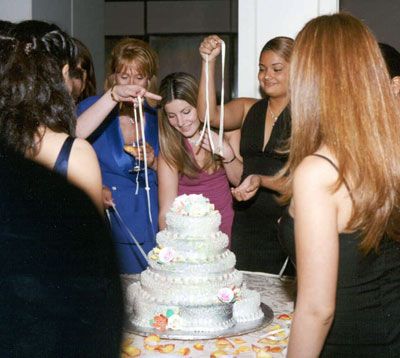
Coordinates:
[273,116]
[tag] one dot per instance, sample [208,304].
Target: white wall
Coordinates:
[88,26]
[15,10]
[262,20]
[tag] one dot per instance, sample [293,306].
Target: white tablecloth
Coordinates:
[277,293]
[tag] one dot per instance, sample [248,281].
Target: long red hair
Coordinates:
[341,98]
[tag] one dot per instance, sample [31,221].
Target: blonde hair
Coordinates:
[179,85]
[341,98]
[128,50]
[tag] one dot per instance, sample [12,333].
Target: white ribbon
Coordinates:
[118,216]
[137,144]
[147,187]
[206,124]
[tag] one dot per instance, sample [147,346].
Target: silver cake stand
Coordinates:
[236,330]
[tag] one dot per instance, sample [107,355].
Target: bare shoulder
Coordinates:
[82,150]
[83,160]
[248,103]
[314,172]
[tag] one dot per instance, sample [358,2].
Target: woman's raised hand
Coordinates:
[210,46]
[129,93]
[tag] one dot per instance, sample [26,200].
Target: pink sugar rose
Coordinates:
[226,295]
[167,254]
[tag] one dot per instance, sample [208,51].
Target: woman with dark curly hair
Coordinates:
[83,77]
[36,109]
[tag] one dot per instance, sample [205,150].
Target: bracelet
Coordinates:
[230,161]
[112,94]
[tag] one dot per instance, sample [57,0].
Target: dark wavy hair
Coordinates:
[84,64]
[392,59]
[6,27]
[33,95]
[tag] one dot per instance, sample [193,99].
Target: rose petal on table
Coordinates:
[149,347]
[184,351]
[263,354]
[165,348]
[132,351]
[284,317]
[275,327]
[239,340]
[242,349]
[276,349]
[127,342]
[266,341]
[218,353]
[223,343]
[152,338]
[198,346]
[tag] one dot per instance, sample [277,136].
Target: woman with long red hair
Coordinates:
[343,179]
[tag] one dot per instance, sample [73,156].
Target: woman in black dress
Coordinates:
[265,127]
[343,179]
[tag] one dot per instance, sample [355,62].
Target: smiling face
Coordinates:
[131,74]
[183,117]
[273,74]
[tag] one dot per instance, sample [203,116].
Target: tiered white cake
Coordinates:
[191,283]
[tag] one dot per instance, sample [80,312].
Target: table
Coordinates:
[278,293]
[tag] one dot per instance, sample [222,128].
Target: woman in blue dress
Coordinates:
[131,206]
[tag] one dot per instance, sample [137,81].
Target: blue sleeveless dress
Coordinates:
[116,168]
[61,164]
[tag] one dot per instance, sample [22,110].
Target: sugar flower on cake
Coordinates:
[166,254]
[195,205]
[169,320]
[229,294]
[226,295]
[159,322]
[174,322]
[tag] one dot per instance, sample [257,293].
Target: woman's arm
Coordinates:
[250,185]
[84,171]
[167,189]
[317,255]
[90,119]
[232,164]
[235,110]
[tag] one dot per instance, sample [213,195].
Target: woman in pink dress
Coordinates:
[183,166]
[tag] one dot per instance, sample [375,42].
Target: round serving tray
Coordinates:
[236,330]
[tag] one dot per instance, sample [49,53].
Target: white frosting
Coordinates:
[188,269]
[193,215]
[248,307]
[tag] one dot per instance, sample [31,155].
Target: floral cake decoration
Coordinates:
[164,255]
[170,320]
[229,294]
[194,205]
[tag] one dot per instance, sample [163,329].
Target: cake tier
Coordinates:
[248,307]
[201,226]
[187,290]
[198,318]
[219,264]
[194,248]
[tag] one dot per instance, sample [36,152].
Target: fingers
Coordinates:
[130,93]
[211,45]
[152,96]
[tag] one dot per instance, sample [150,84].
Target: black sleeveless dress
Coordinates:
[255,231]
[367,313]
